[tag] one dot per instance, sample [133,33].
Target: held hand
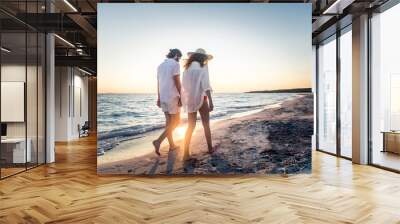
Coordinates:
[180,102]
[158,103]
[211,106]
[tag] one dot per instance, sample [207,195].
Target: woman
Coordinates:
[196,96]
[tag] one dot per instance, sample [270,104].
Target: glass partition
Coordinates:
[31,98]
[327,95]
[13,94]
[22,78]
[41,87]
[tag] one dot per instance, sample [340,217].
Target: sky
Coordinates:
[256,46]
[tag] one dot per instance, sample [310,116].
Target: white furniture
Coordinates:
[19,155]
[12,101]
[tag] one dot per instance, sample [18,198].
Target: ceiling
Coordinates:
[75,21]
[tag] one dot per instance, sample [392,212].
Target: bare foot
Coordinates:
[186,157]
[157,147]
[212,150]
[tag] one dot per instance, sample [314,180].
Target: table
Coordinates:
[15,148]
[391,141]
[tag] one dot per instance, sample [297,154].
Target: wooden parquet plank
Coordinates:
[70,191]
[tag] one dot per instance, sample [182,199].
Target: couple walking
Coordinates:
[193,94]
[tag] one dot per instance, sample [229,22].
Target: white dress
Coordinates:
[195,83]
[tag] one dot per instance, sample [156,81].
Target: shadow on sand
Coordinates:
[154,168]
[171,158]
[171,162]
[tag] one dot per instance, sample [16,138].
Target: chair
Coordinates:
[84,130]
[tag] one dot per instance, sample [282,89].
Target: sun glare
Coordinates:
[179,132]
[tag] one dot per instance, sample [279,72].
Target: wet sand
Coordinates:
[272,141]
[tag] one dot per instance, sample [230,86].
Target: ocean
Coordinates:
[122,117]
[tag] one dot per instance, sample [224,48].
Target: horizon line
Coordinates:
[310,87]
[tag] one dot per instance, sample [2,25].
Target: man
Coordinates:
[169,96]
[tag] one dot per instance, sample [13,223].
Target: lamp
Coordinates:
[70,5]
[5,50]
[64,40]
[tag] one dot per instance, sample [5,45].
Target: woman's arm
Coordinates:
[205,83]
[210,101]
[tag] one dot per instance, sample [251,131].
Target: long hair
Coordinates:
[200,58]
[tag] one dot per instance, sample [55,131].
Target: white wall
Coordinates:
[62,82]
[11,73]
[80,109]
[16,73]
[33,126]
[70,84]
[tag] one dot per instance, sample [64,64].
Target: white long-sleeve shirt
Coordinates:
[166,72]
[195,83]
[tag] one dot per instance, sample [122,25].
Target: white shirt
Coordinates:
[195,83]
[166,72]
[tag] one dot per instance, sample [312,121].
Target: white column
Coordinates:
[50,92]
[50,99]
[360,90]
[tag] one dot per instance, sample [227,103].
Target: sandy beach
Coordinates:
[272,141]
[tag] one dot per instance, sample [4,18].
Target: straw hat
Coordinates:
[201,51]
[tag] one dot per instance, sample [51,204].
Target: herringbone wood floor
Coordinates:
[69,191]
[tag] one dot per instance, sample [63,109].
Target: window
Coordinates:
[327,96]
[385,89]
[346,93]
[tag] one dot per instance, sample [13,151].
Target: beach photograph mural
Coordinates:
[204,89]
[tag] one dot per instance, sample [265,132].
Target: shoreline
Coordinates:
[114,146]
[139,159]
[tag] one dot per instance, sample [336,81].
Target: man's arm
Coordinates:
[177,81]
[158,94]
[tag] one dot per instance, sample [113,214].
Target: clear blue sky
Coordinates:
[256,46]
